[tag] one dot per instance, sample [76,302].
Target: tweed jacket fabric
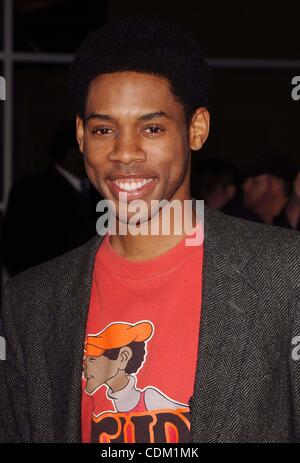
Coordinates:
[247,386]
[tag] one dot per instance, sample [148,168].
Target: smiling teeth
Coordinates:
[132,185]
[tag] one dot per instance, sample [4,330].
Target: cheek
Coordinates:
[91,173]
[174,155]
[94,177]
[94,160]
[260,189]
[180,163]
[170,170]
[251,190]
[92,152]
[247,186]
[96,150]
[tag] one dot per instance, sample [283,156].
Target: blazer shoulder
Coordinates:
[258,233]
[266,246]
[53,276]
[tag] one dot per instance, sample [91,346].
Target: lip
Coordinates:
[124,176]
[137,194]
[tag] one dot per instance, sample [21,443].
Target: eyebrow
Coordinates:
[144,117]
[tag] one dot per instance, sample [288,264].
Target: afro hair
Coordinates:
[145,46]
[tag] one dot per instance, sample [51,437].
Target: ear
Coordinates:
[125,355]
[80,132]
[199,128]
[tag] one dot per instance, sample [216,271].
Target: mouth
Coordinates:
[134,187]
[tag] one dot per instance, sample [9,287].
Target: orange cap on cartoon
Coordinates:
[117,335]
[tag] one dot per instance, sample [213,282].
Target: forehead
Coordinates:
[131,93]
[261,177]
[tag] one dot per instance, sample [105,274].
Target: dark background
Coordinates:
[251,108]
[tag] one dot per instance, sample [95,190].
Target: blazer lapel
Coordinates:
[66,342]
[228,302]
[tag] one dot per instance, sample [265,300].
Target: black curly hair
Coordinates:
[145,46]
[138,354]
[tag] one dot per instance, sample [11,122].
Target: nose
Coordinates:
[127,149]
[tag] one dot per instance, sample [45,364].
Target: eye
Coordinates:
[154,130]
[102,131]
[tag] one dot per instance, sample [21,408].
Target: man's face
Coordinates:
[97,370]
[256,190]
[100,370]
[135,131]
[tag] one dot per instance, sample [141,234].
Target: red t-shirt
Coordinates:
[141,346]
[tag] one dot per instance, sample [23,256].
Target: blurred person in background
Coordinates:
[50,212]
[217,182]
[267,190]
[290,215]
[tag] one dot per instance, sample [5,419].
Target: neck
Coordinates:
[148,246]
[118,382]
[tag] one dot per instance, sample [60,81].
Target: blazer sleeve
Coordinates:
[14,414]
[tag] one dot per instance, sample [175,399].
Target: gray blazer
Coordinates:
[247,386]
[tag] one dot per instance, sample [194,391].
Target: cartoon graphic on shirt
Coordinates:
[113,358]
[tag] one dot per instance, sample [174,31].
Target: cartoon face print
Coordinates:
[103,370]
[114,353]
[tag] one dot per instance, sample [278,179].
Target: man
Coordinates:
[217,182]
[140,91]
[268,189]
[290,215]
[61,212]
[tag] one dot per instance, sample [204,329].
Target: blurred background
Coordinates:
[248,167]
